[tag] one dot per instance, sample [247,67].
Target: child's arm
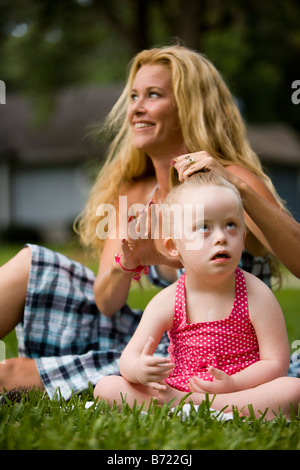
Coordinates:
[137,363]
[268,321]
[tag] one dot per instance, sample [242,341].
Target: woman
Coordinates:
[174,103]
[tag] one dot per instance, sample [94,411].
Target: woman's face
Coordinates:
[153,114]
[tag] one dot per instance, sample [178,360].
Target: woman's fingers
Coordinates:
[188,164]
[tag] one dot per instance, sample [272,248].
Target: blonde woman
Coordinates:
[72,325]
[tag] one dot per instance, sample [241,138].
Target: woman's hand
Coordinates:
[191,163]
[144,244]
[138,248]
[152,370]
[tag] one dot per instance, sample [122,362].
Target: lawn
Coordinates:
[40,423]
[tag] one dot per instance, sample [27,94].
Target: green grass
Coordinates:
[40,423]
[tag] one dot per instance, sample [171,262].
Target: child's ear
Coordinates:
[171,247]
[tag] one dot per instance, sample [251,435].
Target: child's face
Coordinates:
[214,241]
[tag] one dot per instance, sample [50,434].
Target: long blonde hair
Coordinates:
[210,121]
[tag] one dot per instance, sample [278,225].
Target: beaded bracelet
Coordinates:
[137,272]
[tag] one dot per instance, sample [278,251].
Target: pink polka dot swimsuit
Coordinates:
[229,344]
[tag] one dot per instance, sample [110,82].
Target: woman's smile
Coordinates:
[153,112]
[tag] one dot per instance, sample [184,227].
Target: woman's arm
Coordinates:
[111,286]
[281,231]
[113,283]
[243,178]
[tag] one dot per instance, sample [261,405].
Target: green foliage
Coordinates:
[46,46]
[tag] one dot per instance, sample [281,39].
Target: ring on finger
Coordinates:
[131,244]
[190,159]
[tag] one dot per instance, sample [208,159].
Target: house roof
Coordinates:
[275,143]
[67,135]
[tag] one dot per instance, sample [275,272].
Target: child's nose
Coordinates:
[220,236]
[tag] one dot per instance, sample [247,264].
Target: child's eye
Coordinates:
[230,225]
[202,228]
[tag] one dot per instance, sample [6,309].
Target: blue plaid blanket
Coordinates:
[71,341]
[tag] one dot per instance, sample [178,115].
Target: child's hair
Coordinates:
[199,179]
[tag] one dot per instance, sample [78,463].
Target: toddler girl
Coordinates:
[226,329]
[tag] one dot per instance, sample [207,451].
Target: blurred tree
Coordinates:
[46,45]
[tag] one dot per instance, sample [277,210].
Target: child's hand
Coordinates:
[222,383]
[151,371]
